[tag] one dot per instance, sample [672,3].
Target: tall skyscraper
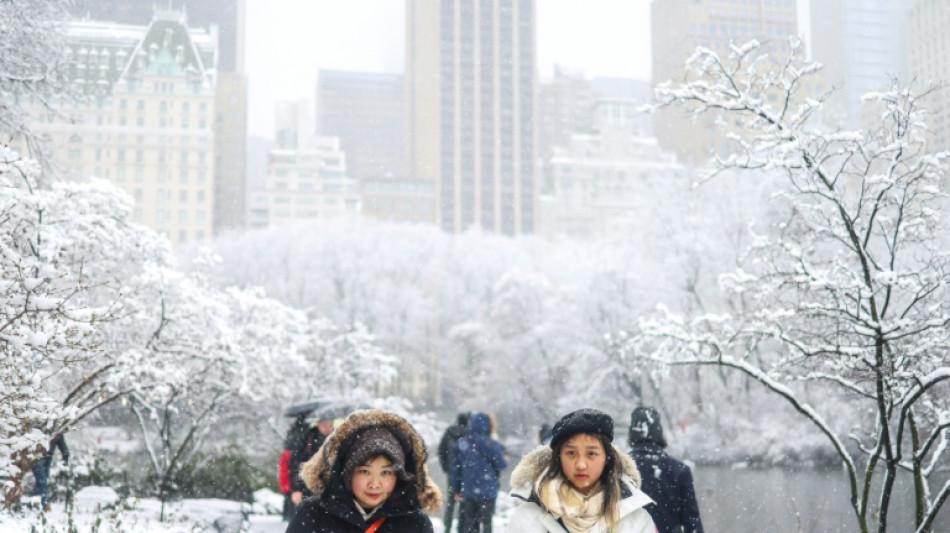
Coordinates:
[863,45]
[928,50]
[679,26]
[230,143]
[471,89]
[230,152]
[365,110]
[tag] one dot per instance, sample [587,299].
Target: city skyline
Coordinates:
[327,34]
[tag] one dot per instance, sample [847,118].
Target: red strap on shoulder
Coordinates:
[375,525]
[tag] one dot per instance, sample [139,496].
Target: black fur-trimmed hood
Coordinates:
[326,466]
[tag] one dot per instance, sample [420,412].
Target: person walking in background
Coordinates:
[293,441]
[544,433]
[477,464]
[668,481]
[314,436]
[580,482]
[446,454]
[370,475]
[42,468]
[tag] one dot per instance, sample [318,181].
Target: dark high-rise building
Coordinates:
[471,90]
[366,111]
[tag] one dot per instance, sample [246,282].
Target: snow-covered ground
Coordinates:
[97,505]
[102,505]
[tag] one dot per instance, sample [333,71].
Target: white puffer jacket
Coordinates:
[530,517]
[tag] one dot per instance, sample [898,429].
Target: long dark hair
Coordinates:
[609,478]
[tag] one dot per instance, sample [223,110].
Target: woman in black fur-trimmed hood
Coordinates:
[332,476]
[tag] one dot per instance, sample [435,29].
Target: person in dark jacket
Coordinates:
[446,454]
[314,436]
[545,433]
[371,470]
[477,464]
[42,467]
[294,440]
[668,481]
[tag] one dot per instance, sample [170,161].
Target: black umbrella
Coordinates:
[335,410]
[306,407]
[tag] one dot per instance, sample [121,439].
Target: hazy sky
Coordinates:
[288,40]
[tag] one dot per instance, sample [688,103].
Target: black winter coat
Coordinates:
[332,509]
[670,483]
[447,445]
[307,444]
[335,512]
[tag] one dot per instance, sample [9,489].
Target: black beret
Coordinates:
[582,421]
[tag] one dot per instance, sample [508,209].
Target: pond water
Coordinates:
[786,500]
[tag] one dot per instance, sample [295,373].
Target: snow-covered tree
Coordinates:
[32,65]
[92,310]
[848,291]
[54,298]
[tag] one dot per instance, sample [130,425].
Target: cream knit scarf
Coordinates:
[579,512]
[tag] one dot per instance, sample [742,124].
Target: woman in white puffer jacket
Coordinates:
[580,484]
